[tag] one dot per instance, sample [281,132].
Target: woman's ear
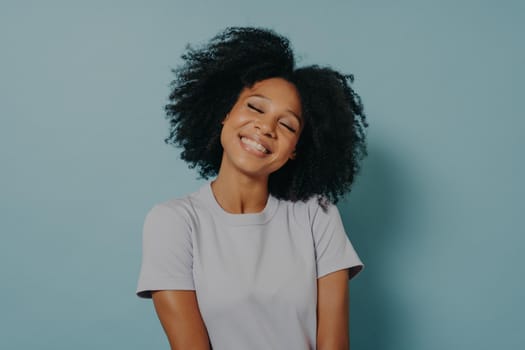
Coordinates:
[292,157]
[224,119]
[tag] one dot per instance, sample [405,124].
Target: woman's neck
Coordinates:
[240,194]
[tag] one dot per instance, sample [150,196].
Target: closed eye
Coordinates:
[261,112]
[255,108]
[288,127]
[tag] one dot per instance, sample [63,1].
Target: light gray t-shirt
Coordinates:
[255,274]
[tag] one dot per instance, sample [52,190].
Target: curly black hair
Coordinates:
[332,143]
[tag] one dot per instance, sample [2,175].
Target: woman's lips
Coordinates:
[256,138]
[252,146]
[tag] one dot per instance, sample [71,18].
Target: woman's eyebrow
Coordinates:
[288,110]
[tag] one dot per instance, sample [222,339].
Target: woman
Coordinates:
[258,257]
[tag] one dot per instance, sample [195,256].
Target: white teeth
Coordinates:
[254,144]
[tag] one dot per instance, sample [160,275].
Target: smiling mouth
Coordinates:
[255,145]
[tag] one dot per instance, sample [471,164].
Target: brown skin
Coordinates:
[179,314]
[269,112]
[333,303]
[241,185]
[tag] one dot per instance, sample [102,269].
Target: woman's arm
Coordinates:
[179,314]
[333,303]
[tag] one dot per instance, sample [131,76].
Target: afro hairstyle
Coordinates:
[332,143]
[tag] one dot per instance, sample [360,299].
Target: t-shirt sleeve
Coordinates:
[167,258]
[333,248]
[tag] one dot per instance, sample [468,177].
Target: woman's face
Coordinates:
[261,131]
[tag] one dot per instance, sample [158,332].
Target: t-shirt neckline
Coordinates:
[259,218]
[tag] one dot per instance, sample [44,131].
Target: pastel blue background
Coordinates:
[436,214]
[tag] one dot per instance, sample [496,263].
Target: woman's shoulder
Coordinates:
[182,207]
[314,203]
[310,209]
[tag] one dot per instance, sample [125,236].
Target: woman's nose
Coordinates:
[266,125]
